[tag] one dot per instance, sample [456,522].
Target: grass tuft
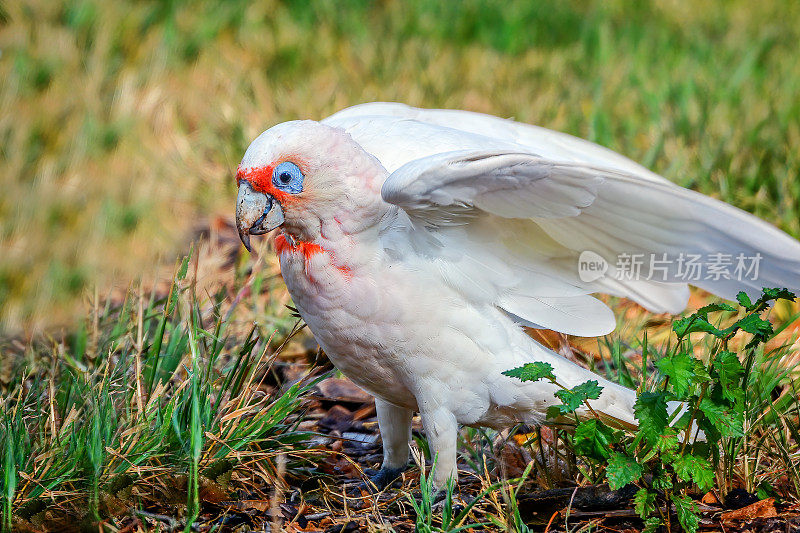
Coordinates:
[148,407]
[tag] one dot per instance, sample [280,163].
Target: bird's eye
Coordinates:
[288,177]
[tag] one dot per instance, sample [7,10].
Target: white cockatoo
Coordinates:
[416,244]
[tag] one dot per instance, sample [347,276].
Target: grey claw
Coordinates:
[385,477]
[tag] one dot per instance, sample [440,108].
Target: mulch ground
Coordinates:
[333,496]
[329,494]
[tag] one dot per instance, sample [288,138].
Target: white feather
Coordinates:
[588,208]
[480,221]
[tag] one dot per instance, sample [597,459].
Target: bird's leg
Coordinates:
[441,429]
[395,425]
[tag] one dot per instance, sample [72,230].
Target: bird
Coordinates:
[418,244]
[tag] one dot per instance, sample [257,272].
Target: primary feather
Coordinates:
[422,240]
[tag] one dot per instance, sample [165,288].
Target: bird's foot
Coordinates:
[385,477]
[378,480]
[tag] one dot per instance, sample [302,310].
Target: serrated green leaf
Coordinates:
[687,515]
[755,325]
[693,324]
[729,371]
[553,412]
[744,300]
[713,410]
[765,490]
[573,398]
[714,307]
[651,412]
[532,372]
[668,442]
[622,470]
[644,503]
[700,373]
[728,421]
[778,294]
[594,439]
[690,467]
[662,482]
[683,420]
[679,368]
[652,524]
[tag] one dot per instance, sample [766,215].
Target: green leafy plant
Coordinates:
[691,414]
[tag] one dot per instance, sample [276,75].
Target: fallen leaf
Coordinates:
[365,412]
[257,505]
[522,438]
[338,418]
[342,389]
[512,459]
[759,509]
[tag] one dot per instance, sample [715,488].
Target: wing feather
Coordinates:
[520,223]
[504,210]
[576,315]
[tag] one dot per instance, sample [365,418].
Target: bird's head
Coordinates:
[301,175]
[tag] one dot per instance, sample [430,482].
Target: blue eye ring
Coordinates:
[288,177]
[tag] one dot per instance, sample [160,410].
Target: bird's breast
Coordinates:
[353,313]
[398,332]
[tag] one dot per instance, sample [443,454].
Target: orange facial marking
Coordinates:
[307,250]
[261,180]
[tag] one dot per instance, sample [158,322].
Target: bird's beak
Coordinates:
[256,213]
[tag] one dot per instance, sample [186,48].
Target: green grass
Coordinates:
[145,409]
[121,124]
[155,402]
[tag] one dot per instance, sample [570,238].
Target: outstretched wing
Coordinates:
[396,134]
[508,227]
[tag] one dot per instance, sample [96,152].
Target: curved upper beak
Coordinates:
[256,213]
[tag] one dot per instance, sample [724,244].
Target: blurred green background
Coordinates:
[121,123]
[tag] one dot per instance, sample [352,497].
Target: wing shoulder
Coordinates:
[544,142]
